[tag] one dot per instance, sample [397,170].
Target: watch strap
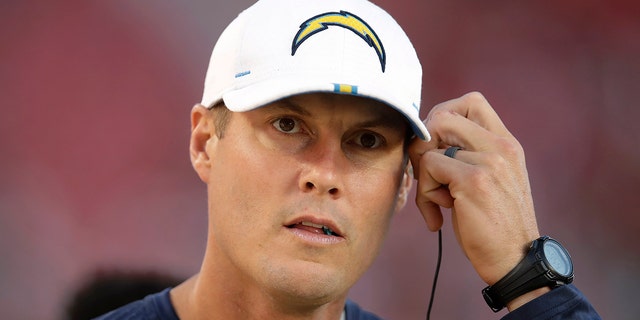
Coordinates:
[526,276]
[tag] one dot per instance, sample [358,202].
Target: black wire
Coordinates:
[435,277]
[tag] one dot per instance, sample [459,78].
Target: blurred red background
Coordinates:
[95,173]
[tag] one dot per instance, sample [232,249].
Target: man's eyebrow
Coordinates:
[288,105]
[382,121]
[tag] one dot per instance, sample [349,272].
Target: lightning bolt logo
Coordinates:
[342,19]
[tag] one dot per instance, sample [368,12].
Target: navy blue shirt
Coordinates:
[565,302]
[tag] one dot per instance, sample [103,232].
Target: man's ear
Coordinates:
[202,134]
[405,187]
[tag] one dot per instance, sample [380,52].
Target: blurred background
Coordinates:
[95,173]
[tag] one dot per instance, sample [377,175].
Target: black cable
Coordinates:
[435,277]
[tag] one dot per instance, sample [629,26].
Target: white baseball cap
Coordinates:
[280,48]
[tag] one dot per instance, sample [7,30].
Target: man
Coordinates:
[306,137]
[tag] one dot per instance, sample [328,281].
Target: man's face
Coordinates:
[285,170]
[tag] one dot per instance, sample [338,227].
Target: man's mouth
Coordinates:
[315,228]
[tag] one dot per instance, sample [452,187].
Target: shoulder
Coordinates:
[354,312]
[153,307]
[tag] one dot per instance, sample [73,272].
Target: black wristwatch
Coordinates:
[547,264]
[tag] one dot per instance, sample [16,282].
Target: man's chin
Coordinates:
[310,283]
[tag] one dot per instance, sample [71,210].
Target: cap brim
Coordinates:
[264,92]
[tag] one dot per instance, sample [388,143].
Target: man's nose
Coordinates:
[324,166]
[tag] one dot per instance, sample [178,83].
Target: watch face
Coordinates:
[558,258]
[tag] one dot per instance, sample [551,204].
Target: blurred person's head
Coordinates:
[104,291]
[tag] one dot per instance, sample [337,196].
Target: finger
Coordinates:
[430,190]
[449,128]
[430,194]
[472,111]
[468,157]
[431,214]
[416,149]
[475,107]
[442,170]
[467,121]
[426,182]
[441,196]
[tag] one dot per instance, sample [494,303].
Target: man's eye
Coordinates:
[369,140]
[287,125]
